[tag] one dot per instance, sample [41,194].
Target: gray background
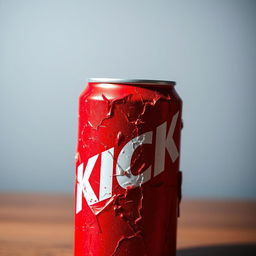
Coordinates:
[49,48]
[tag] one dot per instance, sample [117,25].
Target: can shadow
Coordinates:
[220,250]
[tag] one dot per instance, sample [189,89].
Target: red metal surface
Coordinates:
[127,170]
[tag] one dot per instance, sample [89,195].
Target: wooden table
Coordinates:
[42,225]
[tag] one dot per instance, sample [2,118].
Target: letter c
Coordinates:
[124,175]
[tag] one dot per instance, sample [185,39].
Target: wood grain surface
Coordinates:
[42,225]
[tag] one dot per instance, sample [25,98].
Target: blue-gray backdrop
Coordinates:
[49,48]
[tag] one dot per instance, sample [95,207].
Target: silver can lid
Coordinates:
[130,81]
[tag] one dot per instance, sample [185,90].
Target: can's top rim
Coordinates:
[130,81]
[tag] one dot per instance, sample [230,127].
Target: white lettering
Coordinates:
[106,178]
[162,143]
[106,174]
[124,175]
[83,184]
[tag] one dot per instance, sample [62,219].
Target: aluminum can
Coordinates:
[127,188]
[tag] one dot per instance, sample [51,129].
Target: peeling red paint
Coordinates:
[123,239]
[126,223]
[120,138]
[107,112]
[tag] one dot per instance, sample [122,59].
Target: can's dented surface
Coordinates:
[127,168]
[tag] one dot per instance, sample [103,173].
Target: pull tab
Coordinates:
[179,191]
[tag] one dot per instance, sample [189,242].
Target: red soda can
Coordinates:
[127,189]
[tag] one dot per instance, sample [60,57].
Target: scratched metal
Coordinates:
[127,170]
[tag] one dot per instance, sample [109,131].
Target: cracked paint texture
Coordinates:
[139,217]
